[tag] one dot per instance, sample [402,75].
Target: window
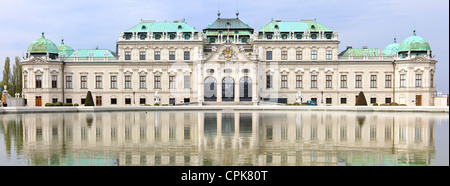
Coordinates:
[172,36]
[431,80]
[343,100]
[387,100]
[187,36]
[313,81]
[157,82]
[171,55]
[98,100]
[142,80]
[142,101]
[329,55]
[171,82]
[113,101]
[157,37]
[83,81]
[69,100]
[373,81]
[127,81]
[328,100]
[54,81]
[328,82]
[284,36]
[143,36]
[127,55]
[83,101]
[157,55]
[98,81]
[343,81]
[299,81]
[402,80]
[358,81]
[418,80]
[187,55]
[68,81]
[283,81]
[269,36]
[299,55]
[142,55]
[113,82]
[25,82]
[268,81]
[54,100]
[328,36]
[314,55]
[212,40]
[187,81]
[388,81]
[313,36]
[127,101]
[373,100]
[268,55]
[244,40]
[283,55]
[299,36]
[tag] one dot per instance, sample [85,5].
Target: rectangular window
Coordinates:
[283,81]
[25,84]
[328,100]
[373,100]
[269,81]
[402,80]
[373,81]
[313,81]
[113,82]
[171,55]
[142,101]
[388,81]
[431,80]
[358,81]
[69,100]
[142,55]
[83,101]
[343,81]
[187,81]
[157,82]
[142,80]
[98,81]
[329,81]
[172,82]
[54,81]
[418,80]
[113,101]
[54,100]
[187,55]
[299,55]
[269,55]
[283,55]
[387,100]
[299,81]
[127,101]
[127,55]
[314,55]
[157,55]
[83,81]
[68,81]
[329,55]
[127,81]
[343,100]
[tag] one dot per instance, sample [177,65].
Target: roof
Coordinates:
[300,26]
[175,26]
[414,43]
[43,45]
[356,52]
[391,48]
[64,49]
[92,53]
[228,23]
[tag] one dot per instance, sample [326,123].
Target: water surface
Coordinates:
[305,138]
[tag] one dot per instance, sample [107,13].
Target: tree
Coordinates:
[16,78]
[6,77]
[89,100]
[361,100]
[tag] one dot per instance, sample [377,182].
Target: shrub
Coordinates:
[375,104]
[401,104]
[384,104]
[393,104]
[89,100]
[58,104]
[296,103]
[165,105]
[156,104]
[361,101]
[49,104]
[76,105]
[67,104]
[148,105]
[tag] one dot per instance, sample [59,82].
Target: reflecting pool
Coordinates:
[200,138]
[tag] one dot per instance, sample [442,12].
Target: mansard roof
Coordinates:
[228,23]
[300,26]
[93,53]
[146,26]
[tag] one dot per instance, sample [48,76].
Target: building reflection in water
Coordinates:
[221,138]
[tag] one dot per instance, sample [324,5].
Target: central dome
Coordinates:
[42,46]
[65,50]
[392,48]
[414,43]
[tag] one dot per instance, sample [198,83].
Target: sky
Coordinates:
[87,24]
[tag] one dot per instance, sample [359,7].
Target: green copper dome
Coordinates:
[65,50]
[414,43]
[43,45]
[392,48]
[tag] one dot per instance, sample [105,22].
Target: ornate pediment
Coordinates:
[420,59]
[37,60]
[228,52]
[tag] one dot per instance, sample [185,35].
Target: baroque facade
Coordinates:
[230,62]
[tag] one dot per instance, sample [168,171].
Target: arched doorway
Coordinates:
[228,89]
[245,89]
[210,89]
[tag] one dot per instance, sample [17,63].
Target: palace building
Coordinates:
[230,62]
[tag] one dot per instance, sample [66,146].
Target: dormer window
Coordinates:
[236,32]
[127,36]
[157,37]
[143,36]
[269,36]
[277,27]
[187,36]
[313,36]
[144,27]
[313,27]
[179,27]
[299,36]
[328,36]
[212,40]
[284,36]
[172,36]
